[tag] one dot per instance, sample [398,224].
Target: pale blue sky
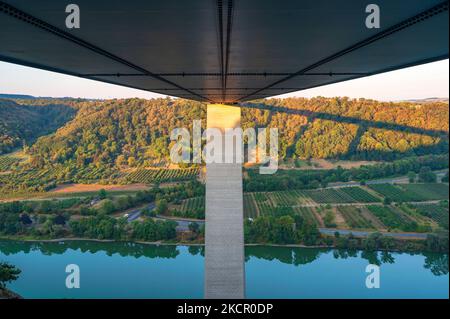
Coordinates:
[429,80]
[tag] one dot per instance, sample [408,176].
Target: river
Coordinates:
[129,270]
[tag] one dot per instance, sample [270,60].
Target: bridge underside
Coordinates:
[223,51]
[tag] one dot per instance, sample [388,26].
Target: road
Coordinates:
[182,223]
[135,214]
[331,232]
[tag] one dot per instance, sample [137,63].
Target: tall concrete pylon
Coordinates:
[224,232]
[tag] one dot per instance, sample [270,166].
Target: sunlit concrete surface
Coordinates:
[224,238]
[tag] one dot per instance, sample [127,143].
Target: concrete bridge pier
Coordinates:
[224,232]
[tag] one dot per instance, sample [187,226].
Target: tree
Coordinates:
[161,207]
[194,227]
[25,219]
[426,175]
[411,176]
[107,207]
[8,273]
[102,194]
[131,161]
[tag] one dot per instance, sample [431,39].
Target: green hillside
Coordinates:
[21,124]
[107,138]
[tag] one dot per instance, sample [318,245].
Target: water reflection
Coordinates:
[438,264]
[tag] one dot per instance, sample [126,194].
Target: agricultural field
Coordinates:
[193,204]
[412,192]
[394,192]
[436,212]
[360,195]
[424,223]
[250,208]
[6,162]
[148,176]
[341,195]
[430,191]
[308,214]
[287,198]
[395,219]
[190,208]
[355,218]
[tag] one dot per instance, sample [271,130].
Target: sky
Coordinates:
[429,80]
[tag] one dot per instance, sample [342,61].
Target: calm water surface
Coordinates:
[127,270]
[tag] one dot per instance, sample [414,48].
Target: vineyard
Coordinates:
[360,195]
[412,192]
[436,212]
[432,191]
[149,176]
[395,219]
[396,193]
[308,214]
[250,208]
[191,208]
[355,218]
[6,162]
[341,195]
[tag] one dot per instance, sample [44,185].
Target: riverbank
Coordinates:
[200,244]
[5,293]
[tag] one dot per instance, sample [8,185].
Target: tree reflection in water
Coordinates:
[438,264]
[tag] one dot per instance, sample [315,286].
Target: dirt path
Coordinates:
[80,188]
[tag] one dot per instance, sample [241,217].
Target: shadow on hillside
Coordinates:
[363,126]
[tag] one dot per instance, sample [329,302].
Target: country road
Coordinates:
[182,223]
[135,214]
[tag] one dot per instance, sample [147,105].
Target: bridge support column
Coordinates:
[224,232]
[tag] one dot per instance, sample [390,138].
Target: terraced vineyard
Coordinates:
[354,217]
[436,212]
[341,195]
[148,176]
[430,191]
[6,162]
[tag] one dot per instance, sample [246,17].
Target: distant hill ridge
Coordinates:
[16,96]
[429,100]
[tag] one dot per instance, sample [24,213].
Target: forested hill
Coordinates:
[21,124]
[118,134]
[355,128]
